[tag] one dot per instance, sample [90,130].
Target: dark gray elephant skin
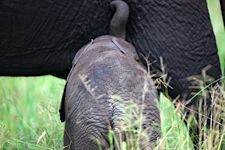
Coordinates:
[42,37]
[107,66]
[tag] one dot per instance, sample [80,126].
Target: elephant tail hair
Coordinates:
[119,19]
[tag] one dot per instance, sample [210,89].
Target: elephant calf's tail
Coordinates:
[119,20]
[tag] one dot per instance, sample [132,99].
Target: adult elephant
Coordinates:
[42,37]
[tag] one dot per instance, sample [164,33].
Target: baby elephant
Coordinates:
[108,66]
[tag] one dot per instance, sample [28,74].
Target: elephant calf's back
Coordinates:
[90,109]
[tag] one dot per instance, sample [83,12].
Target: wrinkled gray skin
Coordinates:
[42,37]
[106,66]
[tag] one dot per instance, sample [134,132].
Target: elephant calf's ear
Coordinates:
[62,106]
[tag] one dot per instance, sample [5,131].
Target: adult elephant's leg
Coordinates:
[181,33]
[42,37]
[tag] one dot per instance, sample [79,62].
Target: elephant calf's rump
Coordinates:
[104,68]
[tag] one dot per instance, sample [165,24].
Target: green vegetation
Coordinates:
[218,29]
[175,134]
[30,120]
[29,117]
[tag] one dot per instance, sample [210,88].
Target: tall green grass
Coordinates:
[29,117]
[215,14]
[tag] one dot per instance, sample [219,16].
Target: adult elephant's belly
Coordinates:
[42,37]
